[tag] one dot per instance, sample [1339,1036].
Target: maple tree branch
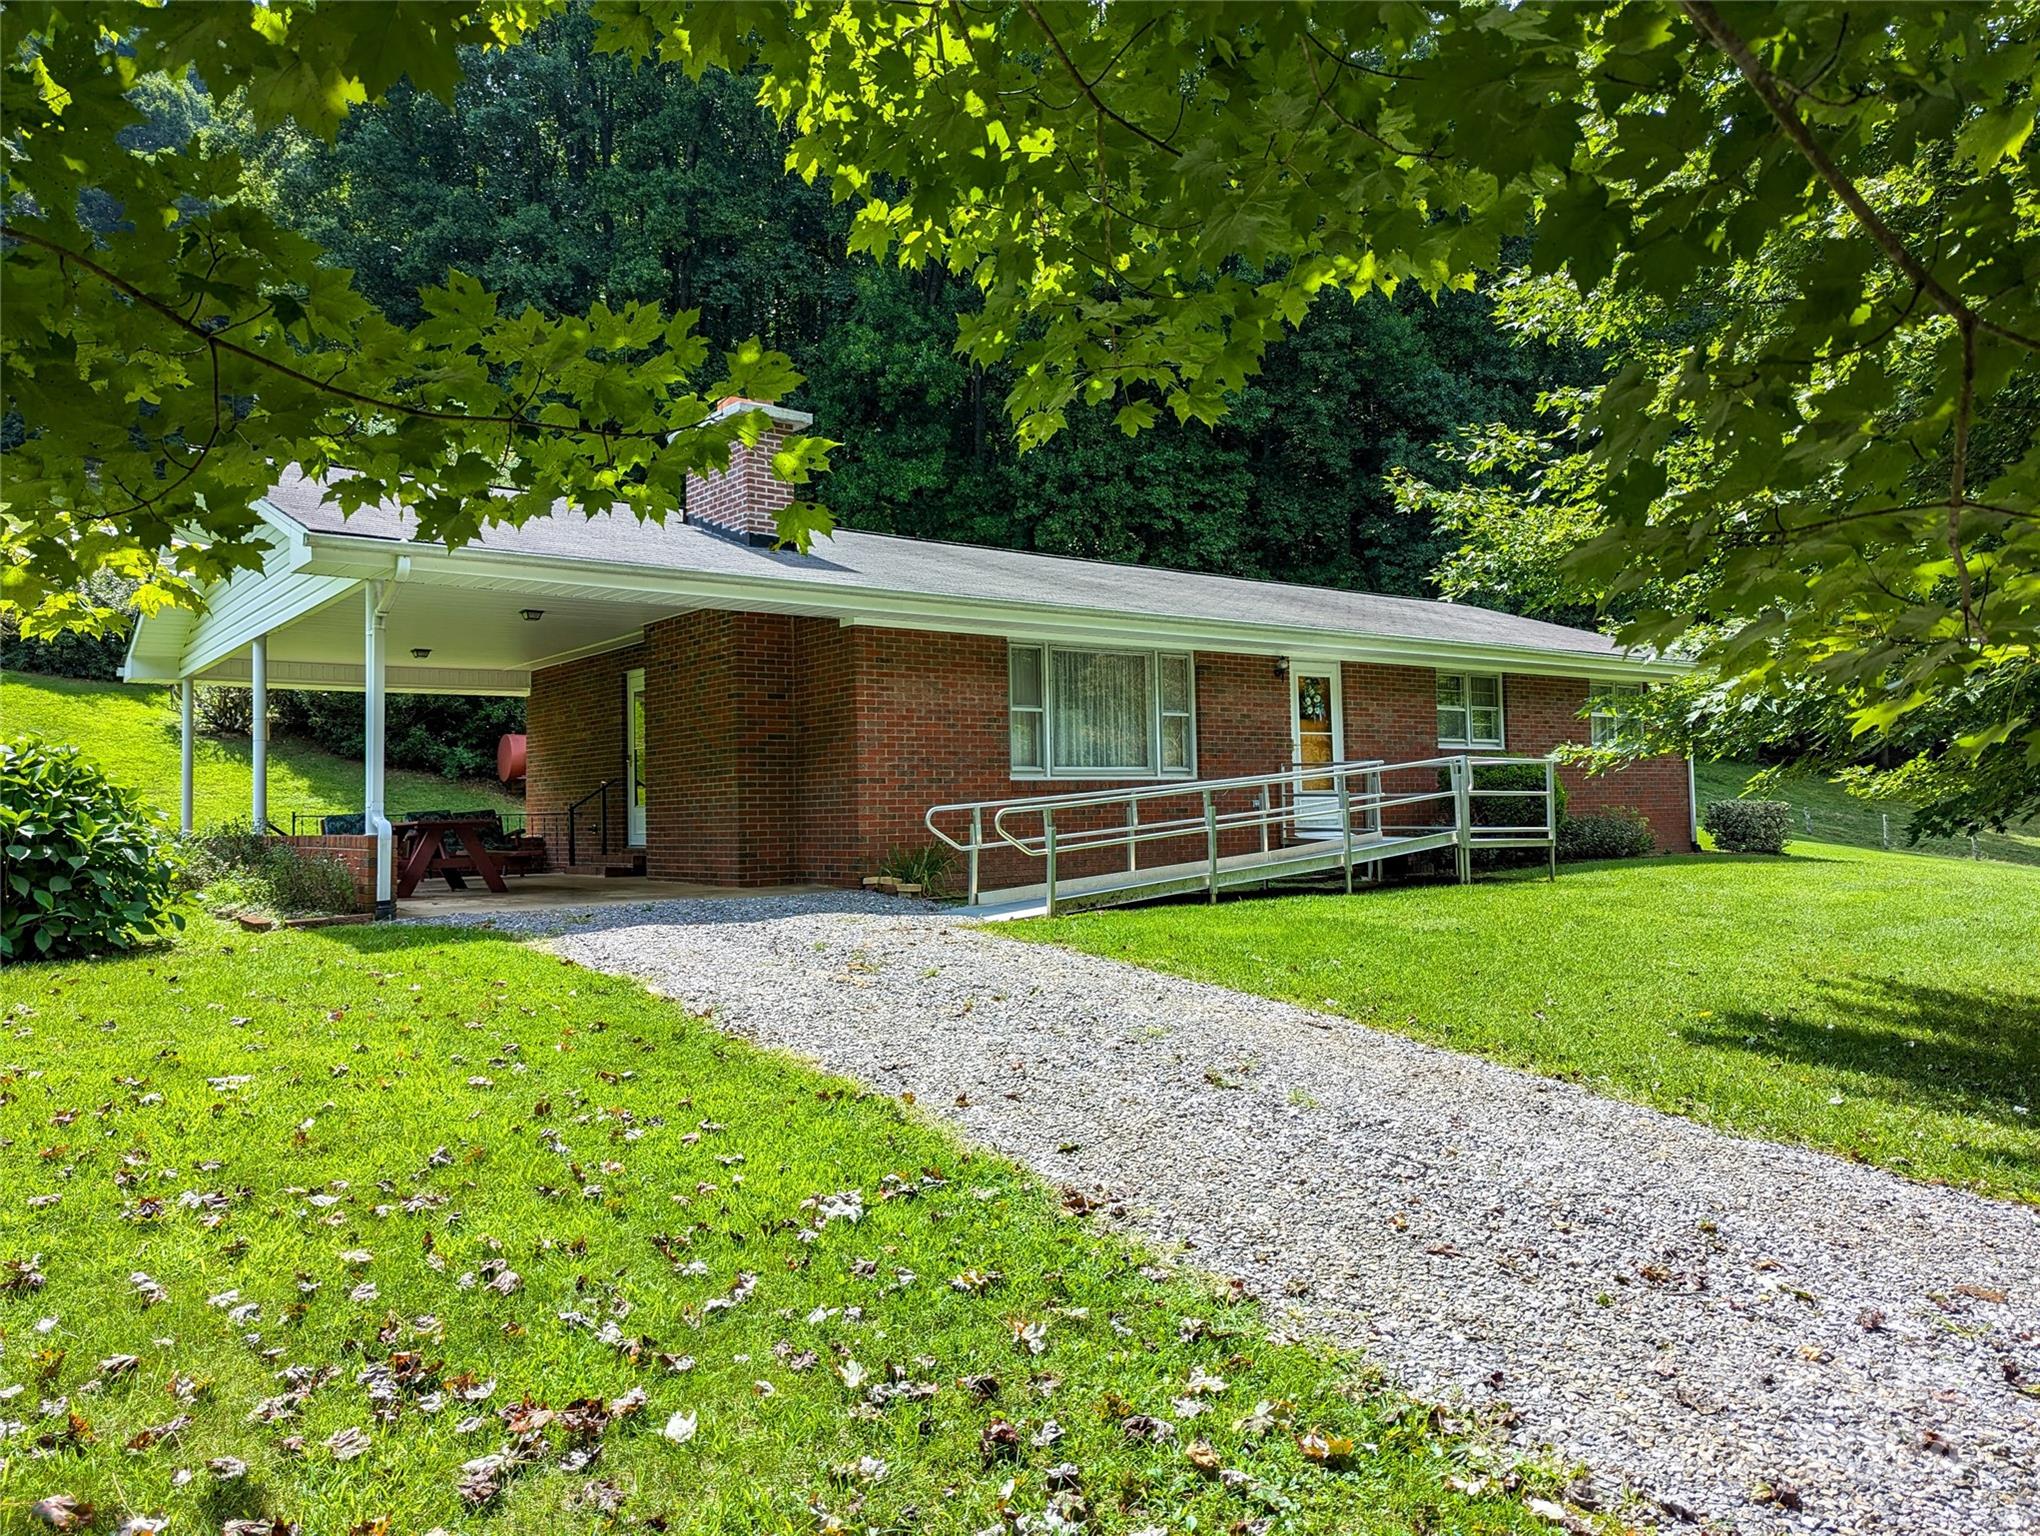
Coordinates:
[1967,319]
[1070,67]
[1709,20]
[1958,473]
[1782,532]
[218,341]
[1355,65]
[1325,101]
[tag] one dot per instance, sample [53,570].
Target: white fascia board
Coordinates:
[346,677]
[138,667]
[293,535]
[157,643]
[365,557]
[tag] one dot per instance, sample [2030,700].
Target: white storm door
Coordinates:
[1317,730]
[634,753]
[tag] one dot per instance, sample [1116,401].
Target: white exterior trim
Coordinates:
[1466,676]
[258,732]
[365,557]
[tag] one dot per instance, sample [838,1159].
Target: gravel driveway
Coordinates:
[1699,1317]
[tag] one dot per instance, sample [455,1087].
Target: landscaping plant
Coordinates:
[1748,826]
[234,866]
[928,867]
[1620,833]
[85,866]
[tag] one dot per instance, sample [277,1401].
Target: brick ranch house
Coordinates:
[741,715]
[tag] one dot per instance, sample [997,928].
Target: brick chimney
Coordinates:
[742,501]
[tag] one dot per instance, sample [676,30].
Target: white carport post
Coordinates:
[258,731]
[184,745]
[375,602]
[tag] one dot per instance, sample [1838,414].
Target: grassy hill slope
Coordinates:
[1840,817]
[132,734]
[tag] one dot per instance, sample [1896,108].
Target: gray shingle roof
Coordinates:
[969,573]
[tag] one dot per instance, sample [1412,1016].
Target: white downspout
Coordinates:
[184,746]
[1692,805]
[258,732]
[374,607]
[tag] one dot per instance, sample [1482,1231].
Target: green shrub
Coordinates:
[233,865]
[85,866]
[928,867]
[221,711]
[1748,826]
[1620,833]
[1510,810]
[300,882]
[1503,810]
[452,736]
[229,850]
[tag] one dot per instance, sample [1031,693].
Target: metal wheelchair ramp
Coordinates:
[1213,835]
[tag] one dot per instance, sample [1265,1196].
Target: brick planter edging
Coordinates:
[355,853]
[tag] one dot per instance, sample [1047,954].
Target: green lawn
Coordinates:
[1881,1006]
[264,1195]
[1840,817]
[132,733]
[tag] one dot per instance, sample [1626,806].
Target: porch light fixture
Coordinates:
[420,652]
[531,615]
[1282,666]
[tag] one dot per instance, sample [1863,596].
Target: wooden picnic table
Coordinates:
[427,854]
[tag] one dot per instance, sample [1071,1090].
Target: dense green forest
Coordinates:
[562,176]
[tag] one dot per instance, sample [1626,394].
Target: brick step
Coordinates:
[635,866]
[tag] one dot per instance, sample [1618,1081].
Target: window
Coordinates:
[1027,709]
[1176,693]
[1100,714]
[1469,709]
[1609,721]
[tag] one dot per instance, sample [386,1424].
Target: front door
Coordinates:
[1317,728]
[634,753]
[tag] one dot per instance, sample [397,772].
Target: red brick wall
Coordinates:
[722,736]
[788,749]
[1392,714]
[830,795]
[931,727]
[1540,713]
[573,741]
[745,498]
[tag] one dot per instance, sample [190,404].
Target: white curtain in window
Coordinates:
[1102,702]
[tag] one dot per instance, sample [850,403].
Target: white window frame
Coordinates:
[1045,652]
[1605,718]
[1469,742]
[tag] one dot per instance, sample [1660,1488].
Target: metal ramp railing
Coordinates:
[1304,819]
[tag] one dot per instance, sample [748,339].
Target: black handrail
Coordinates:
[573,821]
